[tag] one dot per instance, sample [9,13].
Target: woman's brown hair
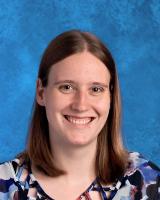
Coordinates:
[111,156]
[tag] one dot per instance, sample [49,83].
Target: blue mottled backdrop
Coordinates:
[131,29]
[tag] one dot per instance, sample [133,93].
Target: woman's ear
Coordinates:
[40,93]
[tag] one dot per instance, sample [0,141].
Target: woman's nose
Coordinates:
[80,102]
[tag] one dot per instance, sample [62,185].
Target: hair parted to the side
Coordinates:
[111,156]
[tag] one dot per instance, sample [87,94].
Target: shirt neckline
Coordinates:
[94,186]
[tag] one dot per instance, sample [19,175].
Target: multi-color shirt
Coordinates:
[141,181]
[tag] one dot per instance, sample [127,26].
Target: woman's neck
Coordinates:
[79,164]
[76,159]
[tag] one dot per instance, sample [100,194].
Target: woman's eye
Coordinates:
[97,89]
[66,88]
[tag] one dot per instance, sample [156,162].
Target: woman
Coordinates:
[74,147]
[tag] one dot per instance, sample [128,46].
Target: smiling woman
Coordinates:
[74,149]
[78,87]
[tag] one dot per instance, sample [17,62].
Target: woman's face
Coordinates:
[77,99]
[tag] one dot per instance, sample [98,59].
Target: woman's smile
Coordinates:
[79,120]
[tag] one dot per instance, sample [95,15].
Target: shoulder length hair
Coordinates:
[111,156]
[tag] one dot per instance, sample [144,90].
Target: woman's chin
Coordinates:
[79,142]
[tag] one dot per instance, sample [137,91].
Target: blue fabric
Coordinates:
[131,29]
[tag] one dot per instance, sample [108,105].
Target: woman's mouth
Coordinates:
[79,120]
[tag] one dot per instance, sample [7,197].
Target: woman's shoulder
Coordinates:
[10,184]
[143,175]
[141,179]
[138,162]
[8,169]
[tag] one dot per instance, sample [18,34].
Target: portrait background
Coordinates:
[131,30]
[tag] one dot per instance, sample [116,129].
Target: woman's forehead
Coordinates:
[80,66]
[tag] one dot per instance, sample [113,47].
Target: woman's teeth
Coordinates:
[80,121]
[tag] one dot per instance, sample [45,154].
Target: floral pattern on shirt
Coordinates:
[141,181]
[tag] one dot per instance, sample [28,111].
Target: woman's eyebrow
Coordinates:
[73,82]
[100,83]
[63,81]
